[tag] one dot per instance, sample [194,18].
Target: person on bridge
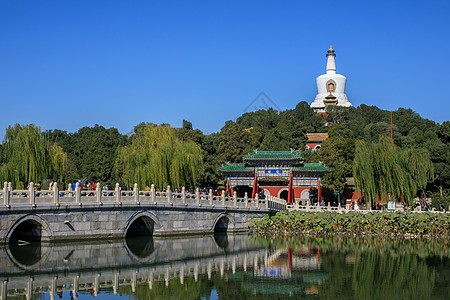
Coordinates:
[51,185]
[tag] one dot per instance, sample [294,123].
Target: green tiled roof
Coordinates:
[273,155]
[313,168]
[235,168]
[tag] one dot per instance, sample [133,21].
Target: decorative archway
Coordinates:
[305,195]
[283,193]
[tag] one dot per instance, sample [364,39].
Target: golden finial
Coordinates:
[331,48]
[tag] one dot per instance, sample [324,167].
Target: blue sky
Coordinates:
[69,64]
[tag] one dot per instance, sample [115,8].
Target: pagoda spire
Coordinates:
[331,64]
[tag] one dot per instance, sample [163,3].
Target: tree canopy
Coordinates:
[27,156]
[158,156]
[381,168]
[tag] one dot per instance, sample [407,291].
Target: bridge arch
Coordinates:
[29,228]
[142,223]
[223,223]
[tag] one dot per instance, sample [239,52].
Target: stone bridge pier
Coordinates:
[117,221]
[30,215]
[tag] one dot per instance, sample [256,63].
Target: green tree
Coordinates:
[234,142]
[338,152]
[381,168]
[157,156]
[87,147]
[27,157]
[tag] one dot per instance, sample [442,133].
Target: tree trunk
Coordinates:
[423,201]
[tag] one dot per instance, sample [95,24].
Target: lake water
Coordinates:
[228,267]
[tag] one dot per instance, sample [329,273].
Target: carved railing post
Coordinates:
[55,194]
[136,193]
[183,194]
[53,289]
[223,197]
[267,200]
[257,200]
[153,193]
[77,193]
[210,196]
[9,193]
[235,199]
[32,194]
[4,289]
[76,284]
[116,283]
[182,271]
[169,194]
[118,193]
[5,194]
[197,195]
[150,280]
[246,199]
[134,281]
[98,193]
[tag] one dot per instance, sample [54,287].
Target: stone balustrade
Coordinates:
[34,198]
[346,209]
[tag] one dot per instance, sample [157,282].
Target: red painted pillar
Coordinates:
[319,252]
[255,186]
[289,258]
[319,192]
[290,192]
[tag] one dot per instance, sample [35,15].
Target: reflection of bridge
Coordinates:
[283,262]
[78,267]
[50,215]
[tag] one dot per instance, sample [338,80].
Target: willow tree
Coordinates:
[158,156]
[27,156]
[381,169]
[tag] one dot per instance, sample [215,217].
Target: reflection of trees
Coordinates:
[381,276]
[355,268]
[340,279]
[188,290]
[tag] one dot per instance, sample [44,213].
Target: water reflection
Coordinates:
[230,267]
[26,254]
[221,240]
[142,247]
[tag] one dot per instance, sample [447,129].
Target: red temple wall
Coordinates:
[274,190]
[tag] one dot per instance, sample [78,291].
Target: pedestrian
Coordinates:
[50,186]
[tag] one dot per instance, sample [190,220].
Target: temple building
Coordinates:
[315,140]
[282,174]
[330,87]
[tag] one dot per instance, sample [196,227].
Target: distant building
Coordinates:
[315,140]
[330,87]
[282,174]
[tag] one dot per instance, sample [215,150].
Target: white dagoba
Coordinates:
[330,83]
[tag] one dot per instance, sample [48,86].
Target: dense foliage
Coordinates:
[381,169]
[27,156]
[384,223]
[92,152]
[157,156]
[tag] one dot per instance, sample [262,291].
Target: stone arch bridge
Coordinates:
[29,215]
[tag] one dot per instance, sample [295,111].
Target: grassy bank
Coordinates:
[384,223]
